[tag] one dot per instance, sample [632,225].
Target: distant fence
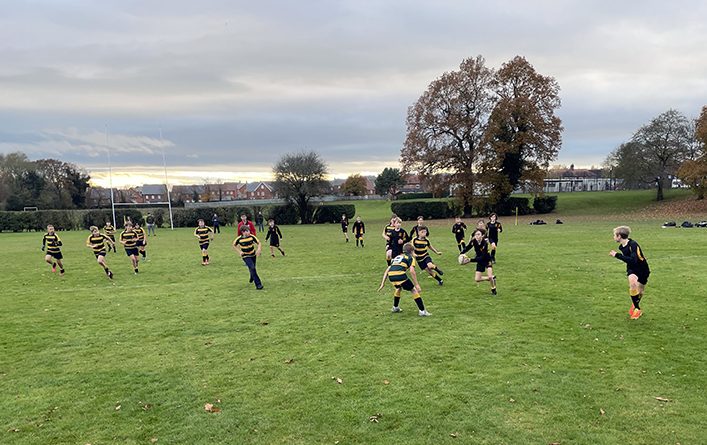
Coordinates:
[278,201]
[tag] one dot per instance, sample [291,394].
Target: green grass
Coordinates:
[537,364]
[608,203]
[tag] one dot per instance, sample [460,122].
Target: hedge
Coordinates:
[331,213]
[429,210]
[417,195]
[544,204]
[282,214]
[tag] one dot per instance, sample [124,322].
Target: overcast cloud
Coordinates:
[233,85]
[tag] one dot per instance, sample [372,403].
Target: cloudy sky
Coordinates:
[233,85]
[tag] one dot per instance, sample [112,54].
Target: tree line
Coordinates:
[45,183]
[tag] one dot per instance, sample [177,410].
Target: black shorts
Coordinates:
[101,253]
[344,229]
[56,256]
[642,276]
[359,235]
[460,241]
[274,242]
[405,285]
[482,265]
[493,241]
[129,251]
[204,246]
[140,243]
[423,262]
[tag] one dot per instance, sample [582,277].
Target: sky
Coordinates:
[225,88]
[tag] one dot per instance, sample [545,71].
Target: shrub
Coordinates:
[282,214]
[544,204]
[430,210]
[508,207]
[331,213]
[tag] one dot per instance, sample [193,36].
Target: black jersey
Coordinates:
[414,232]
[387,231]
[274,235]
[359,228]
[97,242]
[247,245]
[458,231]
[481,249]
[395,237]
[632,255]
[52,243]
[204,234]
[493,230]
[344,223]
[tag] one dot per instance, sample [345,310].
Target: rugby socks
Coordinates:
[418,301]
[439,271]
[636,298]
[144,254]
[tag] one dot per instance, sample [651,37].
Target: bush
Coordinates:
[20,221]
[508,207]
[331,213]
[419,195]
[429,210]
[544,204]
[282,214]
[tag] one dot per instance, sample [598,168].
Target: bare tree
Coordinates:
[300,177]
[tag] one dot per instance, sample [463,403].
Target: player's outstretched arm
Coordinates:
[385,275]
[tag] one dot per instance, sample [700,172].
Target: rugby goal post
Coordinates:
[141,205]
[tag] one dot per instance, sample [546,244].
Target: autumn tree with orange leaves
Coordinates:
[694,172]
[490,130]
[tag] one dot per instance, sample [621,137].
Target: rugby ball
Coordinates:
[463,259]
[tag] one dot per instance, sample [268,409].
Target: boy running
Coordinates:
[637,268]
[345,226]
[493,228]
[141,240]
[205,235]
[52,244]
[398,237]
[97,241]
[245,245]
[458,230]
[397,274]
[482,259]
[274,235]
[109,231]
[422,256]
[128,238]
[359,229]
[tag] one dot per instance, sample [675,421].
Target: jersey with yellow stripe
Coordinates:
[203,234]
[140,232]
[52,242]
[247,244]
[399,267]
[130,239]
[97,242]
[421,246]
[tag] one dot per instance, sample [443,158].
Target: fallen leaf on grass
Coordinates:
[454,435]
[662,399]
[153,440]
[264,322]
[512,400]
[555,443]
[13,430]
[117,407]
[386,382]
[601,411]
[375,418]
[289,361]
[338,380]
[146,407]
[210,408]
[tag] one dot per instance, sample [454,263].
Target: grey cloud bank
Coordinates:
[241,83]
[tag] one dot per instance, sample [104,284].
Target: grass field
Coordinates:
[552,359]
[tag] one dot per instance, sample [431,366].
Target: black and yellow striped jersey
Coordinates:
[140,232]
[97,242]
[51,242]
[130,239]
[109,230]
[204,233]
[247,244]
[388,230]
[421,246]
[399,267]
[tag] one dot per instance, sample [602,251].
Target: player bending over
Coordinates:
[397,274]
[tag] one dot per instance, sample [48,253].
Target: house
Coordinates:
[578,180]
[189,193]
[152,193]
[413,184]
[233,191]
[259,190]
[97,197]
[370,185]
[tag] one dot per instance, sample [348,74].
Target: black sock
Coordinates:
[388,261]
[437,277]
[207,257]
[636,300]
[493,255]
[439,271]
[143,253]
[136,271]
[396,301]
[420,304]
